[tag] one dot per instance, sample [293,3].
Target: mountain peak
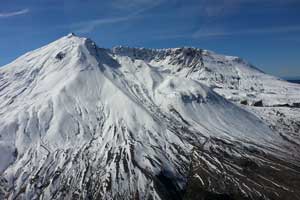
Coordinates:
[77,121]
[71,35]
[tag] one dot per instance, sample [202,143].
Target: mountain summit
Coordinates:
[82,122]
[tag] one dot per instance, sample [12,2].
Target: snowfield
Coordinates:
[82,122]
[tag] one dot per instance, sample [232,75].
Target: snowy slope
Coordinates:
[78,121]
[232,77]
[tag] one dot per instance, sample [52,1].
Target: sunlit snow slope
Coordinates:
[82,122]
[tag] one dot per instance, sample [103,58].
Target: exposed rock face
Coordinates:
[82,122]
[258,103]
[244,102]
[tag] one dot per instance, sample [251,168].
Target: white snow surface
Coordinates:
[120,112]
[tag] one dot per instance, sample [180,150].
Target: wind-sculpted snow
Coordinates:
[82,122]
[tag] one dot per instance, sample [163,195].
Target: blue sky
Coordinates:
[265,32]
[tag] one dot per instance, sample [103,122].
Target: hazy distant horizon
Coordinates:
[292,78]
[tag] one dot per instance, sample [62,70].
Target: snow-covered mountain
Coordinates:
[82,122]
